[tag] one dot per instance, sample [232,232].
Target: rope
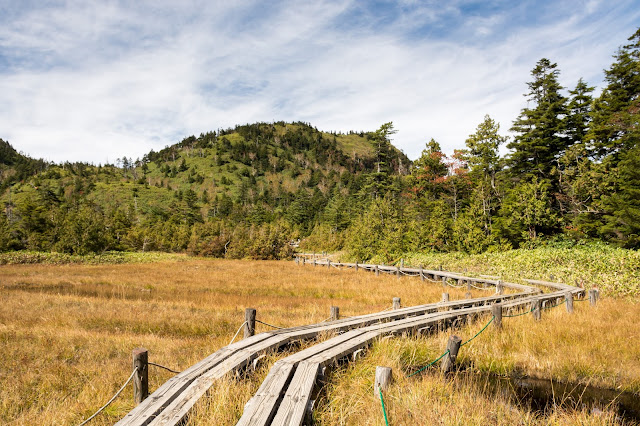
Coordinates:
[236,335]
[480,288]
[274,326]
[162,366]
[556,305]
[518,315]
[112,399]
[430,364]
[478,333]
[384,410]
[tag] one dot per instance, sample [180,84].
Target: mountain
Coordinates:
[244,191]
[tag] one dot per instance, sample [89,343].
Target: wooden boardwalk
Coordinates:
[284,398]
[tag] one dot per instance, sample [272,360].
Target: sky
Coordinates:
[98,80]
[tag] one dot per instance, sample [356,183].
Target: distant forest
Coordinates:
[572,175]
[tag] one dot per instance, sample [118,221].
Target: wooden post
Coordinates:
[468,285]
[356,266]
[402,263]
[382,380]
[377,271]
[297,260]
[328,264]
[421,274]
[141,378]
[568,296]
[335,313]
[499,288]
[398,271]
[250,322]
[314,262]
[467,295]
[449,360]
[535,309]
[496,310]
[396,303]
[304,260]
[445,297]
[593,296]
[314,255]
[444,281]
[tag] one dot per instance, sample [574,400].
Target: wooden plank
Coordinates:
[262,406]
[294,405]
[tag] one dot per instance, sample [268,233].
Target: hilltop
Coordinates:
[261,184]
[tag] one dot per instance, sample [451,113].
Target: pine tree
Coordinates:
[540,133]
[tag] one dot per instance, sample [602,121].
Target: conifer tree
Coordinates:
[540,134]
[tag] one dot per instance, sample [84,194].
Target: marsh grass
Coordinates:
[67,332]
[593,346]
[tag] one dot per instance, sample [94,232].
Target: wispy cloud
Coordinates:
[94,81]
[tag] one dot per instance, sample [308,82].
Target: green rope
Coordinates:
[556,305]
[429,365]
[384,411]
[478,333]
[518,315]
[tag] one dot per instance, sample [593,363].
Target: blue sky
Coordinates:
[93,81]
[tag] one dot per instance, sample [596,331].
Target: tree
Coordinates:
[429,171]
[484,162]
[622,221]
[379,182]
[614,127]
[540,132]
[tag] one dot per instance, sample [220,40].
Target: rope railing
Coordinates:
[479,332]
[384,410]
[112,399]
[166,368]
[237,332]
[270,325]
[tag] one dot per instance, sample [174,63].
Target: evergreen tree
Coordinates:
[540,132]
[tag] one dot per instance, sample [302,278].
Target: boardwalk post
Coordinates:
[468,285]
[335,313]
[593,296]
[382,380]
[449,360]
[421,274]
[141,378]
[568,296]
[535,309]
[250,322]
[304,260]
[314,262]
[402,263]
[328,264]
[398,271]
[496,311]
[396,303]
[356,266]
[499,288]
[445,297]
[297,260]
[444,281]
[377,271]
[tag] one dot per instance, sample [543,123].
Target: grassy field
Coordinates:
[67,331]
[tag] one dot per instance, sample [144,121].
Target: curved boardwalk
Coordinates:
[284,398]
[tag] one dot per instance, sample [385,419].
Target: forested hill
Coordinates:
[15,167]
[244,191]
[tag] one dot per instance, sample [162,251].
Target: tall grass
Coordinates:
[67,331]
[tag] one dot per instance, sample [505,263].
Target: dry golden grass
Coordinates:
[66,335]
[593,346]
[66,332]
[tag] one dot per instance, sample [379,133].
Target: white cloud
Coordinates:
[105,80]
